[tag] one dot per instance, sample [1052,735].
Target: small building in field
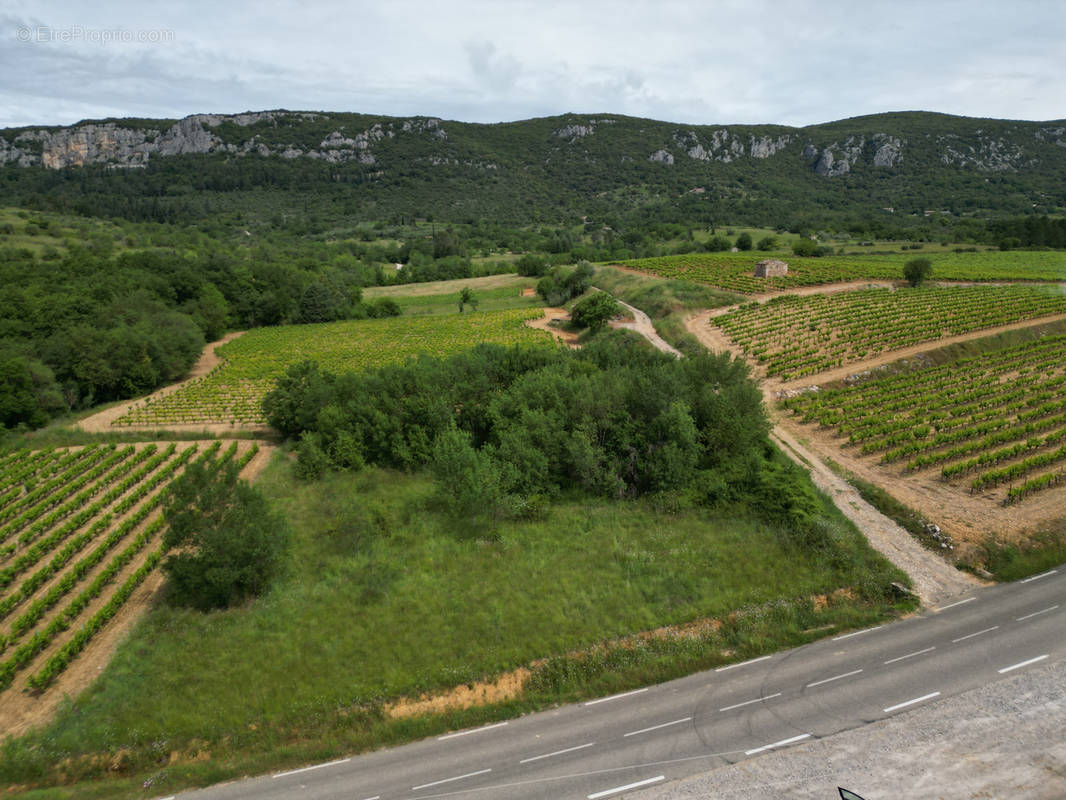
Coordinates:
[771,268]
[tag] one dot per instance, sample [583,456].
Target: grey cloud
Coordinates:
[788,61]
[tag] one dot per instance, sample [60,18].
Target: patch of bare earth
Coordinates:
[552,322]
[509,685]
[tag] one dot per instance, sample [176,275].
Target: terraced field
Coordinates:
[794,336]
[79,533]
[734,270]
[232,393]
[992,425]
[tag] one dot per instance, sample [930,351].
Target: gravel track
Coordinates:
[935,581]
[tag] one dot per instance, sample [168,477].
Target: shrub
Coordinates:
[532,266]
[594,311]
[383,307]
[917,271]
[230,541]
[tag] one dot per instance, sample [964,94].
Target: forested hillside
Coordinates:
[320,167]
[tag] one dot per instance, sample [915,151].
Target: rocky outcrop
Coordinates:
[725,146]
[574,132]
[121,145]
[427,125]
[721,146]
[662,157]
[766,146]
[889,151]
[839,158]
[987,153]
[1054,135]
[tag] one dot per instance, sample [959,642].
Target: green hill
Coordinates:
[554,169]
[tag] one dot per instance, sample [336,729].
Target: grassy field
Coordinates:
[795,336]
[233,392]
[378,603]
[733,271]
[492,293]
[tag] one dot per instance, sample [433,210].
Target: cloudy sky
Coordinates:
[795,62]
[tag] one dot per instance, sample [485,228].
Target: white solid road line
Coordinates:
[627,787]
[743,663]
[910,655]
[449,780]
[308,769]
[971,635]
[556,753]
[782,743]
[1038,577]
[615,697]
[1037,613]
[749,702]
[958,603]
[898,706]
[657,727]
[855,633]
[375,797]
[834,678]
[472,730]
[1023,664]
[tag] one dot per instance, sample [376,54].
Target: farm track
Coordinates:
[934,579]
[968,517]
[20,709]
[642,324]
[102,422]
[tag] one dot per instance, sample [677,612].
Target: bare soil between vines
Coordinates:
[969,518]
[20,710]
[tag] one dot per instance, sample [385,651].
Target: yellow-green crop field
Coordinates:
[233,392]
[734,270]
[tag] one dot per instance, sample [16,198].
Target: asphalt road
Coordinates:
[607,747]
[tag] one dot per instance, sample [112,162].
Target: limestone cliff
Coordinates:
[123,145]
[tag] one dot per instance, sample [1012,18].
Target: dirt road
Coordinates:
[935,581]
[642,324]
[102,422]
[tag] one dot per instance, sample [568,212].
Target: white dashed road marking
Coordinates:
[924,697]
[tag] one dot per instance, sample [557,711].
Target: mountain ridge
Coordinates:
[566,165]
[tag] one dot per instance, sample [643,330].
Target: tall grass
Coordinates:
[384,596]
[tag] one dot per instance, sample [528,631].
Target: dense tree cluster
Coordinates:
[90,326]
[500,427]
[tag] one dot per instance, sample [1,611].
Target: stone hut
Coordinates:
[771,268]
